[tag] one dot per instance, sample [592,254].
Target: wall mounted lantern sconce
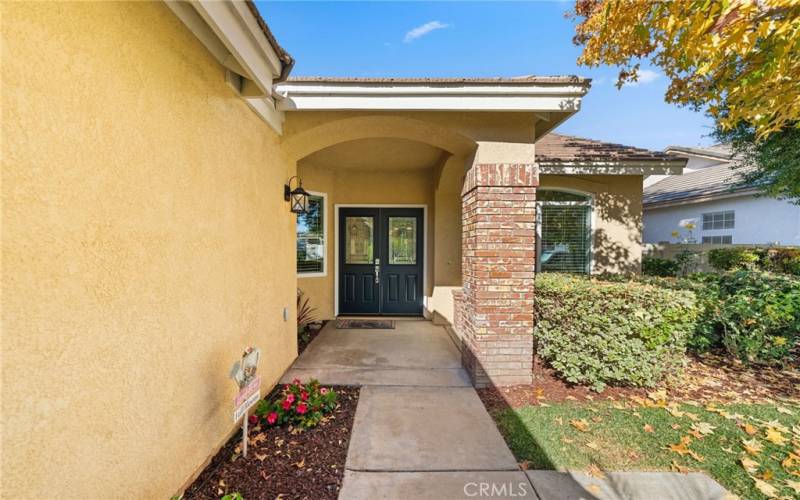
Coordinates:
[297,197]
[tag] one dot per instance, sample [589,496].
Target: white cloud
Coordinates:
[423,30]
[645,76]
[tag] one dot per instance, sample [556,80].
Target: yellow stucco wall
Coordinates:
[145,243]
[617,218]
[348,186]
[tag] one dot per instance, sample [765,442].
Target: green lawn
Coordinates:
[616,439]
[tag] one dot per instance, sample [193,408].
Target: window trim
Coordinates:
[590,201]
[324,272]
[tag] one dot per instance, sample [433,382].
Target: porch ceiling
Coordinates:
[377,154]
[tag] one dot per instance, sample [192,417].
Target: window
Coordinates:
[311,238]
[718,240]
[563,231]
[718,220]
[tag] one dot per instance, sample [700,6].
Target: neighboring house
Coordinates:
[710,196]
[147,241]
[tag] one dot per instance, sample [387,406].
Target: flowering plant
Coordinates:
[303,405]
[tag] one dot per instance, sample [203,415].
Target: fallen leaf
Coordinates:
[777,426]
[674,411]
[795,485]
[582,425]
[568,440]
[261,457]
[540,393]
[675,466]
[592,445]
[749,464]
[703,428]
[594,489]
[595,471]
[559,420]
[752,446]
[766,489]
[768,475]
[648,428]
[774,436]
[659,395]
[749,429]
[785,411]
[301,463]
[676,426]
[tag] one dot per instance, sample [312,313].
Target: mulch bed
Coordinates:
[711,377]
[282,462]
[716,377]
[548,388]
[310,334]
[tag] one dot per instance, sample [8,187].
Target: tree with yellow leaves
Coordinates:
[739,60]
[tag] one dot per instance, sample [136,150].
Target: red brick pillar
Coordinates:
[498,253]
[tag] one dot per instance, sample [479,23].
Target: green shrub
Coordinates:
[597,333]
[753,315]
[782,260]
[655,266]
[727,259]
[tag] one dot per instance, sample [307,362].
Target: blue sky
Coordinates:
[447,39]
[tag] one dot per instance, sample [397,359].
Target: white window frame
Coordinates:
[324,271]
[591,222]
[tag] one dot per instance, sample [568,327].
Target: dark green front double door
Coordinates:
[380,260]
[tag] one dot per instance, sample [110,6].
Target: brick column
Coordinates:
[498,252]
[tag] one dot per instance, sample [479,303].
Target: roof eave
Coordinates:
[432,96]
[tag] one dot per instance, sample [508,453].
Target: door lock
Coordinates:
[377,271]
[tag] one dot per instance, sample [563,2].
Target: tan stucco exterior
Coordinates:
[145,243]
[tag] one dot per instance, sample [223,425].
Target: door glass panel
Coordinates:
[402,240]
[358,234]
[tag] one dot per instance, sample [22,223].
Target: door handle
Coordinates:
[377,271]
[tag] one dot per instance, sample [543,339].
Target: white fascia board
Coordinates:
[428,97]
[237,29]
[230,32]
[613,168]
[265,108]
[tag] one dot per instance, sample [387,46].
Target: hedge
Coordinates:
[600,333]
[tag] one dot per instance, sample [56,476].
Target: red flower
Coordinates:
[302,408]
[272,418]
[253,419]
[304,396]
[296,381]
[286,404]
[323,391]
[290,398]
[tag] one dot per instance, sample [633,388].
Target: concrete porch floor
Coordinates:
[421,431]
[414,353]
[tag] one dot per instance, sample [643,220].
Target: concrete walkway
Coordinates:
[421,432]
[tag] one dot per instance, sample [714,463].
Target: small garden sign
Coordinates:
[243,373]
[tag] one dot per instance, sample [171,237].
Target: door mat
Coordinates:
[365,324]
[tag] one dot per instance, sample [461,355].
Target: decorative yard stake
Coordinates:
[243,373]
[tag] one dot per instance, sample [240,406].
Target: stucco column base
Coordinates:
[498,264]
